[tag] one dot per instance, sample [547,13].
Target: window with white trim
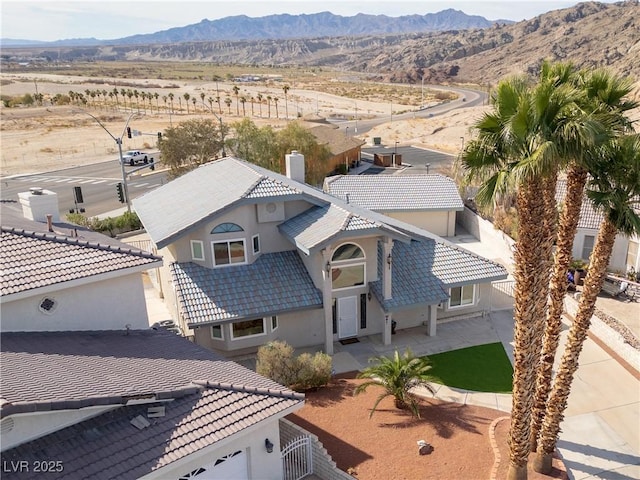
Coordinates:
[229,252]
[197,250]
[216,332]
[462,296]
[347,267]
[255,240]
[248,328]
[274,323]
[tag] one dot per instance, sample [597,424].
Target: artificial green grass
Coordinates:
[485,368]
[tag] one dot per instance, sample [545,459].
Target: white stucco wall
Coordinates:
[29,426]
[302,328]
[261,465]
[439,223]
[110,304]
[618,259]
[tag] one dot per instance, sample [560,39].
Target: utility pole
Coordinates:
[422,97]
[224,154]
[356,131]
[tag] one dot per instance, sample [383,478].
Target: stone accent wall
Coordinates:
[323,465]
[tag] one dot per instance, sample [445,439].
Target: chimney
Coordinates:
[37,203]
[295,166]
[50,222]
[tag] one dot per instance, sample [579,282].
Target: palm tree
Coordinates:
[156,95]
[397,376]
[219,105]
[252,99]
[164,99]
[615,192]
[202,96]
[259,97]
[285,89]
[187,97]
[115,94]
[602,105]
[137,95]
[228,102]
[171,100]
[130,95]
[509,154]
[210,100]
[243,100]
[269,106]
[275,102]
[193,100]
[236,90]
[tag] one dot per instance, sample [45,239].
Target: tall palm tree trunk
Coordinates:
[557,403]
[568,225]
[528,258]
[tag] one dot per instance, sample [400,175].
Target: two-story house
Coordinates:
[255,256]
[88,390]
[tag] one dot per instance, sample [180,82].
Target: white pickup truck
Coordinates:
[134,157]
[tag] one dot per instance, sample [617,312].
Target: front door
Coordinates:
[347,317]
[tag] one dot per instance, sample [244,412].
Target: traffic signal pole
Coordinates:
[118,141]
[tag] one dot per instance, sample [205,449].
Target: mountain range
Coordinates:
[324,24]
[590,35]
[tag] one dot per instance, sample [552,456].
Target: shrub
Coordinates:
[313,371]
[276,361]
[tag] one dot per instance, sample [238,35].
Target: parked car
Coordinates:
[135,157]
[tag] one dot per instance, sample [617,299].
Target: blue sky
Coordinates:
[107,19]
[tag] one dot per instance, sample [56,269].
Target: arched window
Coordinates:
[348,267]
[227,227]
[348,251]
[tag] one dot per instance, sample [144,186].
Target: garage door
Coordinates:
[229,467]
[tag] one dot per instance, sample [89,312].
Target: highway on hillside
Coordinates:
[468,98]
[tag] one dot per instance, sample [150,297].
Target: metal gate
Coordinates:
[297,460]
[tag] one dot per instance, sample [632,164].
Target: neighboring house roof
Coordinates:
[31,260]
[70,370]
[336,139]
[273,284]
[390,193]
[589,218]
[318,226]
[423,270]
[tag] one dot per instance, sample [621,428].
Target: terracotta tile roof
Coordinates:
[274,283]
[110,446]
[30,260]
[57,370]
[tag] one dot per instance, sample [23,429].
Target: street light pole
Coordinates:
[422,97]
[224,153]
[118,141]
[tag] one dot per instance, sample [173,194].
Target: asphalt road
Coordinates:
[97,182]
[468,98]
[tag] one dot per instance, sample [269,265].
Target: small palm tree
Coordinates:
[259,97]
[187,97]
[236,91]
[397,375]
[285,89]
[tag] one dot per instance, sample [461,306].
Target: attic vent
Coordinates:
[140,422]
[48,305]
[35,190]
[6,425]
[153,412]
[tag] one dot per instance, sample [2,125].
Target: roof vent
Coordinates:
[153,412]
[36,190]
[140,422]
[6,425]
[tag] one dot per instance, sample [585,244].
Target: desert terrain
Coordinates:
[36,139]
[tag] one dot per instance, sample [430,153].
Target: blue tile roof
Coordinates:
[423,271]
[387,193]
[319,225]
[274,283]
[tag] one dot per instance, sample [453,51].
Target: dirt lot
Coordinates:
[36,139]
